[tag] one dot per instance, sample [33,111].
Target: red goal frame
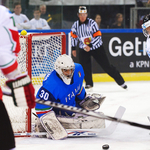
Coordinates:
[29,64]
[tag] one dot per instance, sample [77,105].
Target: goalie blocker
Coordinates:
[22,91]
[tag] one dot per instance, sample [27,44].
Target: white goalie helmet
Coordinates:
[62,64]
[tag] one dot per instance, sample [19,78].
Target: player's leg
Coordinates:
[68,120]
[47,121]
[102,59]
[7,141]
[55,128]
[85,61]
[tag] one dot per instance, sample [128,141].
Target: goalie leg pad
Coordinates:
[80,121]
[53,127]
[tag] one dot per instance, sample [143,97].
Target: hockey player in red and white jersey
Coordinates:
[20,84]
[146,32]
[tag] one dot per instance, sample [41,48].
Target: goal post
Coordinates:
[43,49]
[38,54]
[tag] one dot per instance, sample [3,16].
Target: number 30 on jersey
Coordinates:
[44,95]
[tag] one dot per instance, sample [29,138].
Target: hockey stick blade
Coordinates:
[86,112]
[113,125]
[91,113]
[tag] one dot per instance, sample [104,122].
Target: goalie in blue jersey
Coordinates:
[65,85]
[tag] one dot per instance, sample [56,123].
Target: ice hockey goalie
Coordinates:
[65,85]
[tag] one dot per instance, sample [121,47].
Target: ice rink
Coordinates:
[136,100]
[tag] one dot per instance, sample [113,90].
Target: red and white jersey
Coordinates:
[9,42]
[5,16]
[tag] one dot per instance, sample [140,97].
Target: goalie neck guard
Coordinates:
[65,62]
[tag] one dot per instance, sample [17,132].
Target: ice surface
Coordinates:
[136,100]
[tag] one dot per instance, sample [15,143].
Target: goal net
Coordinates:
[38,54]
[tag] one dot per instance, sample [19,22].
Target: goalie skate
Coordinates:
[53,127]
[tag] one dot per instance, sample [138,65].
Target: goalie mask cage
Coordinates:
[38,54]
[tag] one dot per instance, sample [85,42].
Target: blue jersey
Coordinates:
[54,89]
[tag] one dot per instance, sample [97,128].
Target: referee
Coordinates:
[90,44]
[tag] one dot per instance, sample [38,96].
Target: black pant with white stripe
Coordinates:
[100,56]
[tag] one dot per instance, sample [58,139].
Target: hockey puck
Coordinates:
[106,146]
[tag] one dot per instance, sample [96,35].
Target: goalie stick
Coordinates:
[90,113]
[85,132]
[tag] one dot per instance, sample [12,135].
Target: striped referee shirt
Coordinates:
[87,33]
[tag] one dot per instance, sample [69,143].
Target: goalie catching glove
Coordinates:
[22,91]
[92,102]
